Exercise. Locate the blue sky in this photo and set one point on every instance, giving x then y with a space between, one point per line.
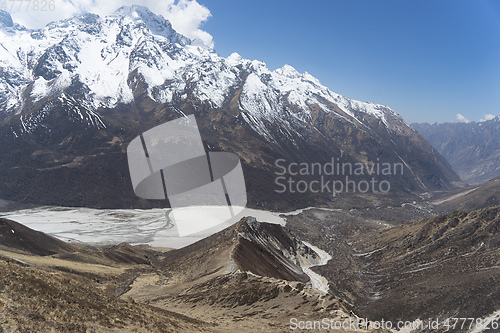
429 60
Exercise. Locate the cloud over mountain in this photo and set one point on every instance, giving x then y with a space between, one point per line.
186 16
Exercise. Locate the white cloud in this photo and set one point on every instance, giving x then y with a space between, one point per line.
487 117
186 16
196 13
462 119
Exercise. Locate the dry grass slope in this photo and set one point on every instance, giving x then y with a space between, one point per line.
35 300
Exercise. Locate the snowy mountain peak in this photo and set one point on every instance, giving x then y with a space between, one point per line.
289 71
104 60
234 59
5 19
156 24
7 26
86 22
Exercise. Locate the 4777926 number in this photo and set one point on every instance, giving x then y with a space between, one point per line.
34 5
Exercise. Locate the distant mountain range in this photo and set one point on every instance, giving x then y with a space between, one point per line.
472 149
75 93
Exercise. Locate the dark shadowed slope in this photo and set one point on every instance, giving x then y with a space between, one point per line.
15 236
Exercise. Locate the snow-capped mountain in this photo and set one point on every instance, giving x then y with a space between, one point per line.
106 56
106 79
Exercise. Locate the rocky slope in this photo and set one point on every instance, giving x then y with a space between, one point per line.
444 266
250 276
206 287
472 149
470 198
260 248
76 92
437 267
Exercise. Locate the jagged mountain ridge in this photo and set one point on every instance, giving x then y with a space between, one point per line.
103 53
472 149
264 249
76 92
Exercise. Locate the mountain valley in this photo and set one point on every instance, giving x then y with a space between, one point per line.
81 252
